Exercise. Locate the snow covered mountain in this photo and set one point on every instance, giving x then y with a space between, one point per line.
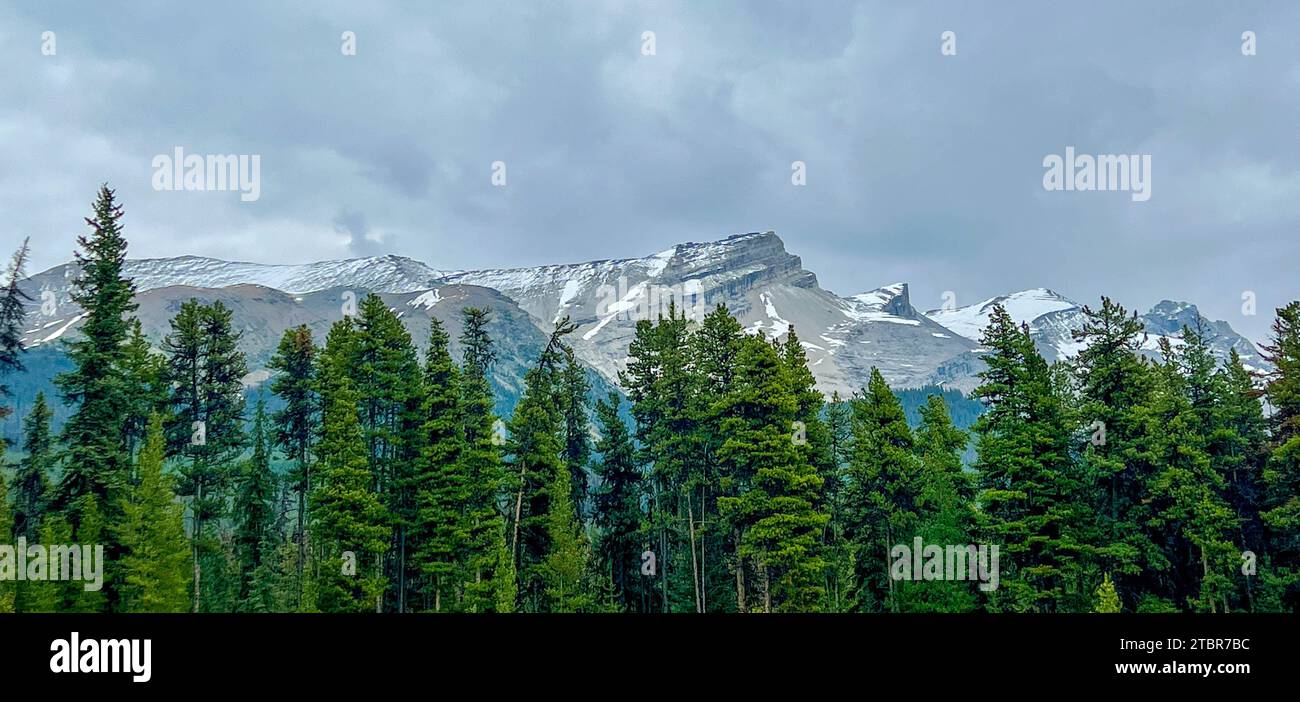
763 285
1053 319
262 315
378 273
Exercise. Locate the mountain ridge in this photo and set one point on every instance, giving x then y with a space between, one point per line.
764 285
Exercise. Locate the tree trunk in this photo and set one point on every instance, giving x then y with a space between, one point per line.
302 542
663 567
704 545
401 570
695 567
740 576
198 535
766 577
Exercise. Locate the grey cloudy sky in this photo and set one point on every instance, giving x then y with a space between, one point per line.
920 167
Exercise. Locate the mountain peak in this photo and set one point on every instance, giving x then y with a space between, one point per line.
388 273
1025 307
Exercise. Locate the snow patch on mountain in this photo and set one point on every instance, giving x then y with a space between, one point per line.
880 305
385 274
1024 307
425 300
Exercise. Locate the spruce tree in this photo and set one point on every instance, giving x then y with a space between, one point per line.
1114 384
663 390
1027 480
147 389
575 406
616 508
13 303
8 587
1281 476
296 426
494 585
255 511
535 455
1237 448
1183 507
565 571
385 373
95 459
31 490
774 510
945 508
205 428
49 596
155 552
838 553
881 493
1107 598
443 527
349 523
714 349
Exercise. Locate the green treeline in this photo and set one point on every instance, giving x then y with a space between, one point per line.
1107 483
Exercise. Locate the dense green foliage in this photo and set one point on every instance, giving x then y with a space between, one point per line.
723 482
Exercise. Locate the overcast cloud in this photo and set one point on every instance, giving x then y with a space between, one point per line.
920 167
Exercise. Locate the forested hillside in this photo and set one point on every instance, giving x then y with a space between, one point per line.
723 481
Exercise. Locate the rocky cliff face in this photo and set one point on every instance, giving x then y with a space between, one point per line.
761 283
262 315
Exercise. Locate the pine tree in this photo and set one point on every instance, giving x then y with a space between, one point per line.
1281 477
32 479
95 459
1107 598
535 449
155 552
254 511
205 369
882 492
1115 382
1027 481
1183 506
93 529
13 311
839 557
774 511
8 588
664 397
616 508
147 389
575 406
296 425
1237 447
490 562
385 373
813 438
944 502
350 525
564 571
443 486
48 596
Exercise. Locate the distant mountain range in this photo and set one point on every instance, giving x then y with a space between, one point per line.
762 284
1052 320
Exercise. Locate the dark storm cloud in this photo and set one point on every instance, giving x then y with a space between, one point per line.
921 167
